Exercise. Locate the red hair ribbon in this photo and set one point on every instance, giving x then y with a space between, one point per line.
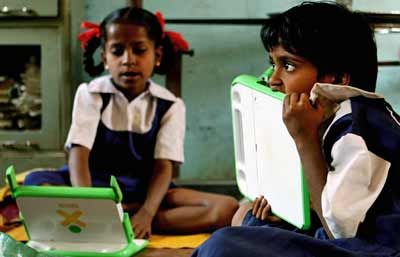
93 30
179 43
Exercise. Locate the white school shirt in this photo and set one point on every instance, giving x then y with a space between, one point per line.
358 176
121 115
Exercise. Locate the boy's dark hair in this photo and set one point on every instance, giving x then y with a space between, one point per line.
135 16
334 39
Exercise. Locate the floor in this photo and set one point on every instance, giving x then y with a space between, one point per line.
152 252
186 252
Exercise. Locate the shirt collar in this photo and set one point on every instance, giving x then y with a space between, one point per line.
103 84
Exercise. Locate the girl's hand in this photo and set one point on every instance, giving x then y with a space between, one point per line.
302 119
262 210
141 223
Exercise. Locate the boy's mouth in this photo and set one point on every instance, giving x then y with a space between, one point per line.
276 88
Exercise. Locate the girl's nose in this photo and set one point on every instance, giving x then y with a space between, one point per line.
128 58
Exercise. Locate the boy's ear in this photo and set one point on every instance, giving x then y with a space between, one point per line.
339 79
344 79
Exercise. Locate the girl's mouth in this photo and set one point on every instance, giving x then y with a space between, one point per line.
129 74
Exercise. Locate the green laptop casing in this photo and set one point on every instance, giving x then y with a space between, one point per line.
75 221
266 159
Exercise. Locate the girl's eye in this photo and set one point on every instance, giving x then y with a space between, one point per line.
117 51
289 67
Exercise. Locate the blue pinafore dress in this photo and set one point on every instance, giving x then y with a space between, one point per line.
127 155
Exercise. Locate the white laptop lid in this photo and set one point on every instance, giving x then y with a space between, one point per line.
59 222
267 162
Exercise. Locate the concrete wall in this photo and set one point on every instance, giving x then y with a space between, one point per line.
221 53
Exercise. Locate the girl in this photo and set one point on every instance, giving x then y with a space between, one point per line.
126 125
348 141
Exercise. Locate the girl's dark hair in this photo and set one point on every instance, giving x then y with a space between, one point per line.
135 16
334 39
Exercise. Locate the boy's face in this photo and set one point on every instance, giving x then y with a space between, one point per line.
293 73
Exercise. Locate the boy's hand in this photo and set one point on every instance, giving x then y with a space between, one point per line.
301 118
141 224
262 210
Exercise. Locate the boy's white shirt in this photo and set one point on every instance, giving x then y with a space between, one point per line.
358 176
135 116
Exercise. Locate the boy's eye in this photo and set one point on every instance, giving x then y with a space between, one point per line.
139 51
289 67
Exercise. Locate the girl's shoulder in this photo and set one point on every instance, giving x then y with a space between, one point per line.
89 94
161 92
101 84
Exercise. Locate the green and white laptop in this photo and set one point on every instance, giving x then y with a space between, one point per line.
267 162
75 221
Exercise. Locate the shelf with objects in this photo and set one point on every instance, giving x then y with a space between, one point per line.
34 84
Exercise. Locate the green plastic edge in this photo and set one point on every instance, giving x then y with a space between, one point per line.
113 193
254 83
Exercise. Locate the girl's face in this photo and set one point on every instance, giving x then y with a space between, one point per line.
130 56
293 73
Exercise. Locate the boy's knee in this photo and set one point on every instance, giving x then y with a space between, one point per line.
218 245
240 214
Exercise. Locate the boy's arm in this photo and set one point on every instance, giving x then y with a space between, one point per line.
303 122
79 166
311 157
158 186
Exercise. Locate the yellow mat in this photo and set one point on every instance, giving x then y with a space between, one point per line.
156 241
177 241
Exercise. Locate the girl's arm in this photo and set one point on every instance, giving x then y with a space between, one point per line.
303 122
79 166
158 186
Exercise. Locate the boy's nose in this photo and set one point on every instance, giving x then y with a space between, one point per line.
274 81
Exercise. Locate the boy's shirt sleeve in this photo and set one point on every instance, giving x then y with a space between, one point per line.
85 118
170 137
354 183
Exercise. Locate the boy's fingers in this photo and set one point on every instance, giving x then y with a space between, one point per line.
294 98
304 98
256 205
285 102
273 218
265 211
260 209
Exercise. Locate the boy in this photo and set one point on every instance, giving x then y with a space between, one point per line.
347 137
